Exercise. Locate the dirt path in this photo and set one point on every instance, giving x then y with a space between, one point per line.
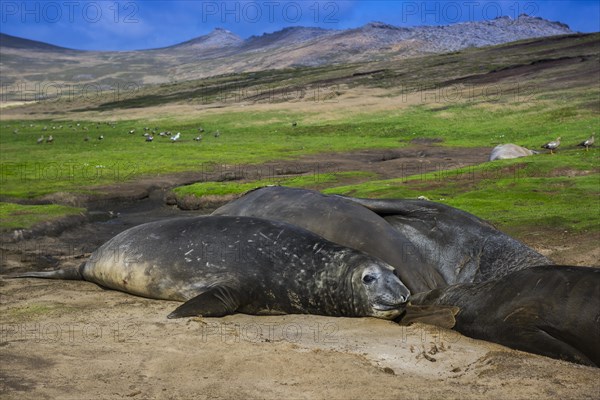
74 340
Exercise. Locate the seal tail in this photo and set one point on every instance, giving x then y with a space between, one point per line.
71 273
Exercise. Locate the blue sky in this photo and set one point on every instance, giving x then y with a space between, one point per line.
142 24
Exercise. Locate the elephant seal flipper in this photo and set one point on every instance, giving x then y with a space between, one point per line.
218 301
439 315
552 310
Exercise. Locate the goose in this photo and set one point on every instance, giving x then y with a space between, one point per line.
552 145
198 138
217 133
176 137
587 143
40 140
50 139
149 138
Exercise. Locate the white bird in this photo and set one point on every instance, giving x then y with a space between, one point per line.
101 137
552 145
198 138
217 133
50 139
587 143
176 137
149 138
40 140
131 132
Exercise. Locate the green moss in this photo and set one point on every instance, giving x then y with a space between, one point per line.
561 191
304 181
15 216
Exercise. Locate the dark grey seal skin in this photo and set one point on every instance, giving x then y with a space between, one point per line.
219 265
343 222
461 246
549 310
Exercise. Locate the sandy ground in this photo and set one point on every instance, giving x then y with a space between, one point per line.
74 340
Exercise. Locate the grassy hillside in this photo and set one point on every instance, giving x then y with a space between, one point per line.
526 93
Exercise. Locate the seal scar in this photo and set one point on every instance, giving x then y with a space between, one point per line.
265 236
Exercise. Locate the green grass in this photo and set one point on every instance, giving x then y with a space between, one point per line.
561 191
304 181
17 216
69 164
534 107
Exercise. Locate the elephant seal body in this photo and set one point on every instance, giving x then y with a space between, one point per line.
549 310
508 151
340 221
463 248
222 265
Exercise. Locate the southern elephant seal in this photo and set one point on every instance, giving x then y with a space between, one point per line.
463 247
549 310
510 150
219 265
341 221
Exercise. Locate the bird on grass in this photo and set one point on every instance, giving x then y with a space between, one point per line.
200 130
86 138
588 142
217 134
198 138
294 124
101 137
552 145
149 138
40 140
50 139
176 137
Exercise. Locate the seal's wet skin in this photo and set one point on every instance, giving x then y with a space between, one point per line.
548 310
219 265
341 221
429 244
462 247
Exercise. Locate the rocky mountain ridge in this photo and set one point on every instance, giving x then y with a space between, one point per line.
221 51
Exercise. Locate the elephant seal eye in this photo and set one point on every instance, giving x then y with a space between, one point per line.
368 279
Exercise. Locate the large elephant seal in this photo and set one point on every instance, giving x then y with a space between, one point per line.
463 247
221 265
509 150
548 310
340 221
